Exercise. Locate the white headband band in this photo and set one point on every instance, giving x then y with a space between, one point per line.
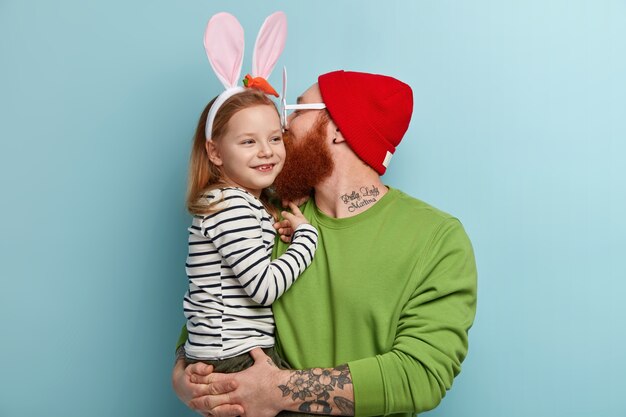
219 101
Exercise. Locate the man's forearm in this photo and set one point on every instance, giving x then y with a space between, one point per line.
180 353
326 391
263 390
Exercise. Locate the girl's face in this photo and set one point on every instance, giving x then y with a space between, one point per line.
251 153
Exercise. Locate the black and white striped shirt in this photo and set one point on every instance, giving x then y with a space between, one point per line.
232 280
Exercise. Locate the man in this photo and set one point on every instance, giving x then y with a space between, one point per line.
378 324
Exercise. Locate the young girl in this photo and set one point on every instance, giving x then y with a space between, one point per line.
232 281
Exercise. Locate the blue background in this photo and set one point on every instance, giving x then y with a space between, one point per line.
518 129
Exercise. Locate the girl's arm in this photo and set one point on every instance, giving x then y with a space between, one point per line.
238 235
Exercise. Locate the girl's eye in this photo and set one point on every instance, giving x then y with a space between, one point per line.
276 139
247 141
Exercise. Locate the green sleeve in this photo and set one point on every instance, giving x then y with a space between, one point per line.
183 337
431 338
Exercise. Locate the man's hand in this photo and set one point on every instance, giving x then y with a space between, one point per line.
256 390
263 390
208 398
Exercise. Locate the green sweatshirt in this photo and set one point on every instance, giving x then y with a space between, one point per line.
392 293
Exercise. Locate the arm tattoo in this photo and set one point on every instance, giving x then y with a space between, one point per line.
180 353
345 405
315 388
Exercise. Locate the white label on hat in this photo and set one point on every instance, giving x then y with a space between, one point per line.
387 159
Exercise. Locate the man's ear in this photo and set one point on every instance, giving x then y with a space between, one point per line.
213 153
334 133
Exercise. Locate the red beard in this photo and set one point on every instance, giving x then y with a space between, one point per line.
307 164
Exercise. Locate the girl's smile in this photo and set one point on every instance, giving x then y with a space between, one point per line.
251 153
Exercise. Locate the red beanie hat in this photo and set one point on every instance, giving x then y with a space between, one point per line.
372 112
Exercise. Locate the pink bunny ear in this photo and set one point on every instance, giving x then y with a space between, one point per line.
224 45
269 44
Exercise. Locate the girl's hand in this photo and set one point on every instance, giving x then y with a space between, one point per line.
297 202
284 229
295 218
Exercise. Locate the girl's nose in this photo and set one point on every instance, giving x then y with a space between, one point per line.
265 150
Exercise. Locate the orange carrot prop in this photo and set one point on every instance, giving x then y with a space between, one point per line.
259 83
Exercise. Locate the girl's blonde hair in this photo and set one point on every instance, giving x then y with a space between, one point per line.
203 174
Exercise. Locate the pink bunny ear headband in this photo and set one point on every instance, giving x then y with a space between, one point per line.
224 45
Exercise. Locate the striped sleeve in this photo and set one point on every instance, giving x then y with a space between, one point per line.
238 233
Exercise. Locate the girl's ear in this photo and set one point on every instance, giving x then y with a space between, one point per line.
213 153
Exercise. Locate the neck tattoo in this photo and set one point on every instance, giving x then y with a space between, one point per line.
362 197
